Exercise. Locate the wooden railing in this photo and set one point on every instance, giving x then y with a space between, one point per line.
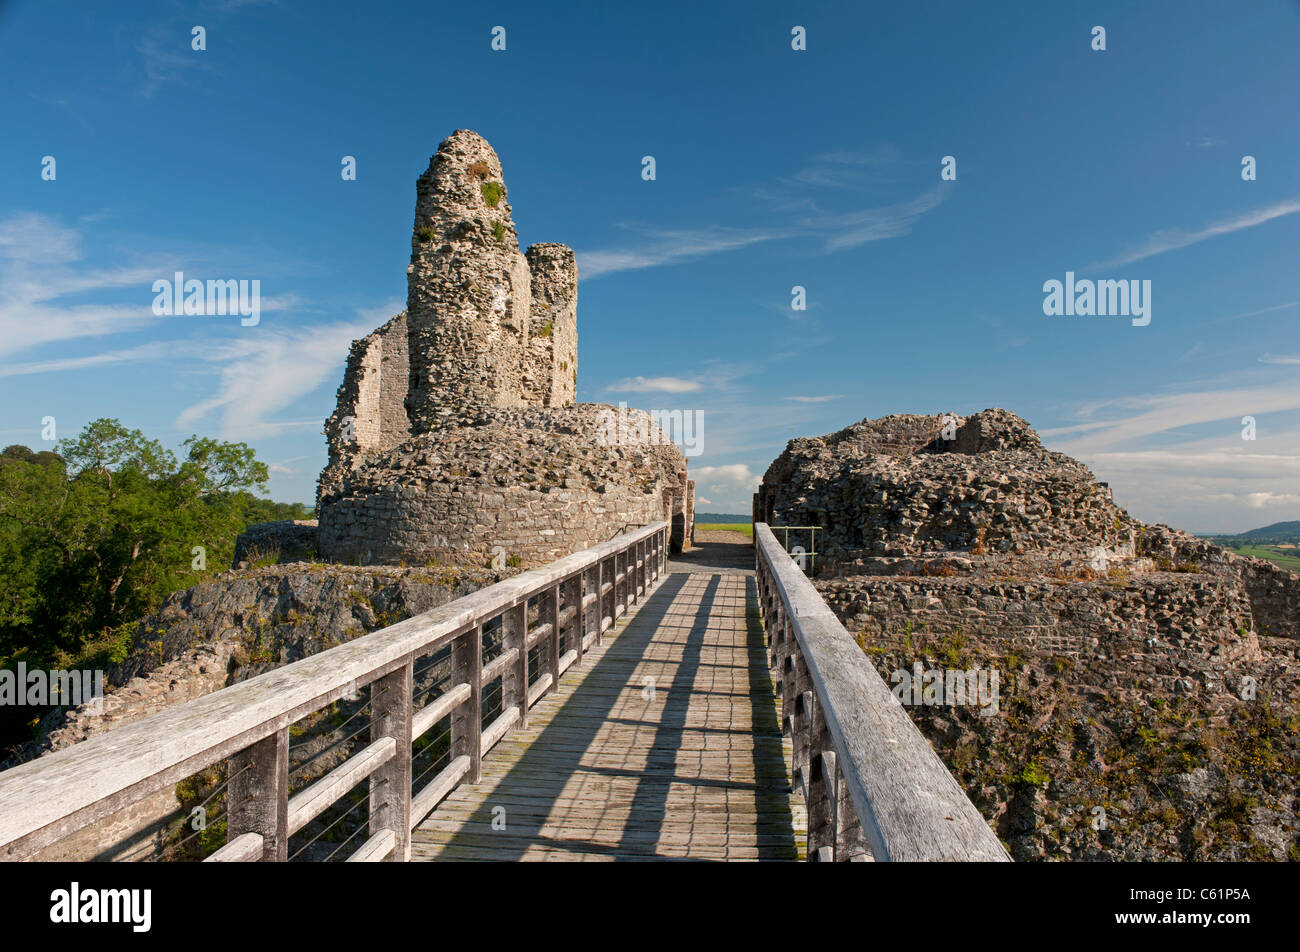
873 786
574 601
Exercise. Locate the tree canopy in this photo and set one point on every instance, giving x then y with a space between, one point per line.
96 534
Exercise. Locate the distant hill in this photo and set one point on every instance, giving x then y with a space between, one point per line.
726 518
1275 531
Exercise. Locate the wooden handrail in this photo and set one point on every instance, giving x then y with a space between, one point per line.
46 799
873 785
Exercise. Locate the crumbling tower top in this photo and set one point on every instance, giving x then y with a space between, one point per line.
468 288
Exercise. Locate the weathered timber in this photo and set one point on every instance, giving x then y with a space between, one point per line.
908 805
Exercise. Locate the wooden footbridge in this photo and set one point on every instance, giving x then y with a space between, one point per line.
611 705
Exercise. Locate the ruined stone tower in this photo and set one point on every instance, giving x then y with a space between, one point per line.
468 287
457 432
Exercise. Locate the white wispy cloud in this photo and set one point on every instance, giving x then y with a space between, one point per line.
1171 239
264 371
852 229
41 268
1280 359
823 398
795 193
1215 481
655 385
156 350
42 273
166 56
1263 310
670 247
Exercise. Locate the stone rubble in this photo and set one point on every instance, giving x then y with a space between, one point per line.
1126 650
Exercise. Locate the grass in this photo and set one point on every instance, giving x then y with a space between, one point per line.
1283 558
744 527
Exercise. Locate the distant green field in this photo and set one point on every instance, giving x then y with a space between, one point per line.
744 527
1288 559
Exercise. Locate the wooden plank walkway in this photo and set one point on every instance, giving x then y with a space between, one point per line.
663 744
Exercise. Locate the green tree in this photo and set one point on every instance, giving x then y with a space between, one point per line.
99 533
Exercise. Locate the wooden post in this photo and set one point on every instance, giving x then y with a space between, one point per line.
390 785
551 648
600 600
584 613
514 681
467 719
821 800
257 796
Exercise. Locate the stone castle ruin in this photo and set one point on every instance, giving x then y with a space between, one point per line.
1146 676
457 434
969 524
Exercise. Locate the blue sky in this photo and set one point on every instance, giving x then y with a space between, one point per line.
775 168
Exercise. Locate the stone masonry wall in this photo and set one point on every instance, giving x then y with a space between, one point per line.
370 413
537 483
1164 626
551 365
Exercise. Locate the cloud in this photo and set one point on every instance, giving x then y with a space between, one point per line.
874 224
1272 500
837 230
1216 481
819 399
1139 418
1172 239
1263 310
265 370
157 350
167 55
670 247
733 484
655 385
1278 359
40 268
839 169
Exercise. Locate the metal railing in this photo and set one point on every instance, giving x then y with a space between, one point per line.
811 554
574 600
873 786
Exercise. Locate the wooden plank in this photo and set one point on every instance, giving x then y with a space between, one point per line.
245 848
381 846
501 665
497 729
438 708
310 803
437 788
695 769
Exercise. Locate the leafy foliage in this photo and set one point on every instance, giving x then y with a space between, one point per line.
94 536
